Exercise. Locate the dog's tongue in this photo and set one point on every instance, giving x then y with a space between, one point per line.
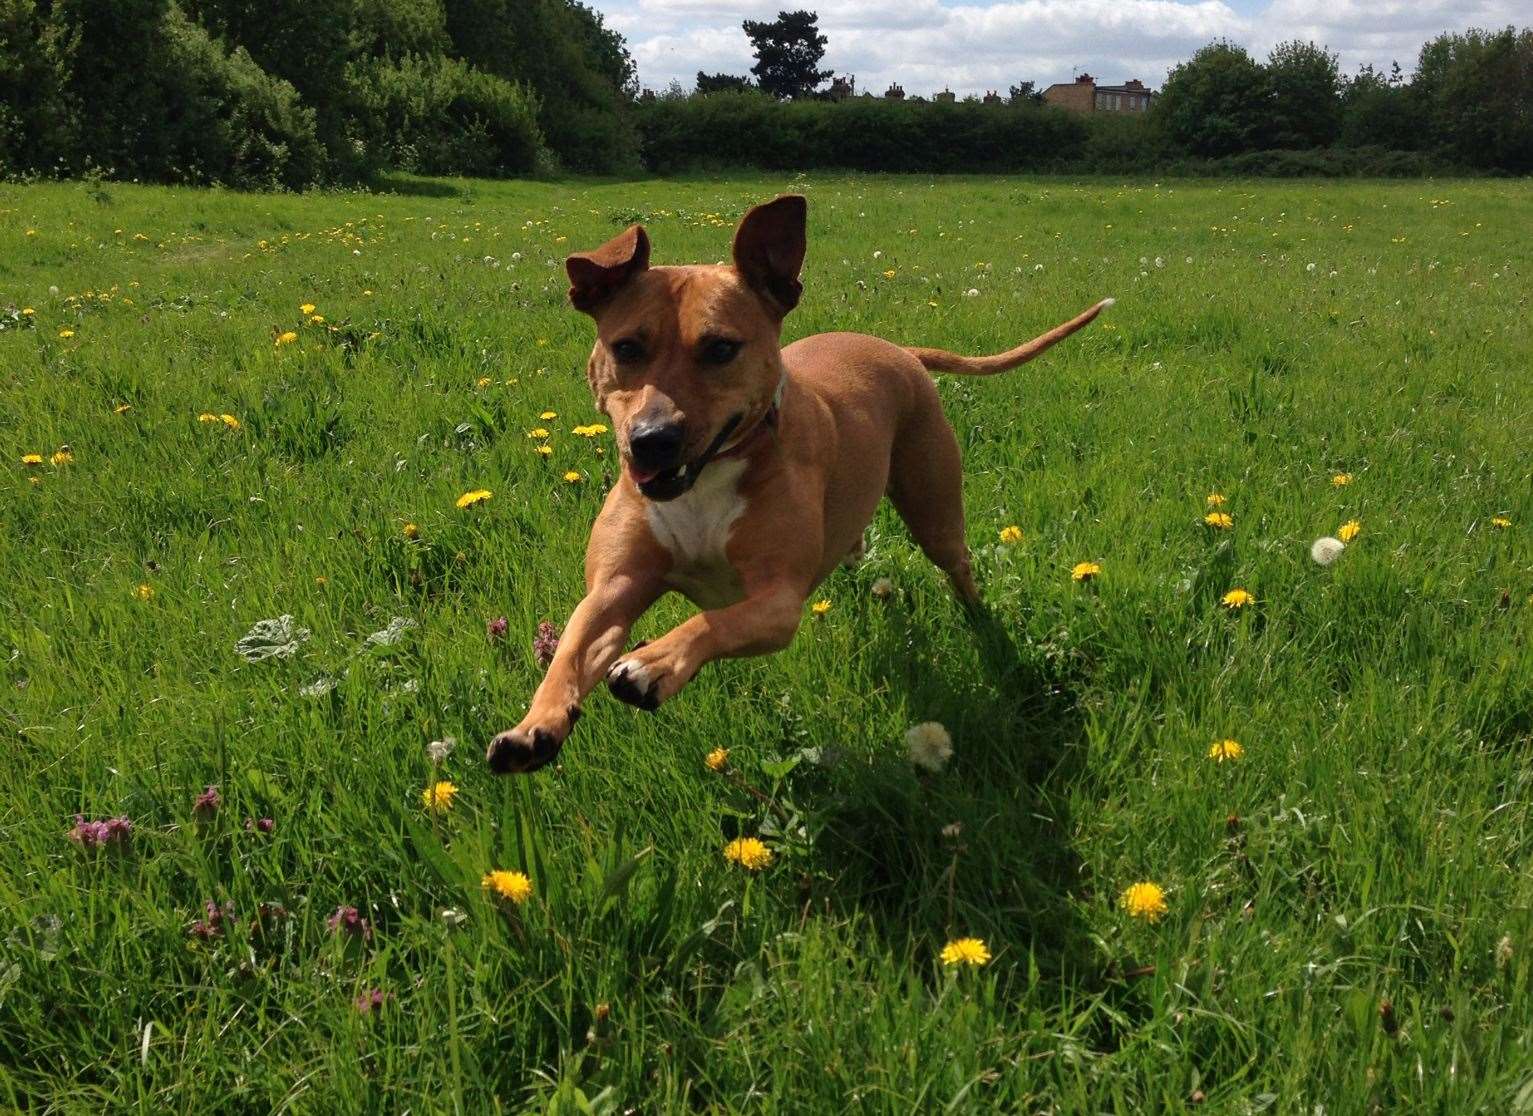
640 476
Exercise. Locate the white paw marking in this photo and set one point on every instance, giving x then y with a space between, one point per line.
634 672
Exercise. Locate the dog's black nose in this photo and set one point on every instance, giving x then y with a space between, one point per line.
655 446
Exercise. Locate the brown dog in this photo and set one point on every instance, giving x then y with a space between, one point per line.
750 470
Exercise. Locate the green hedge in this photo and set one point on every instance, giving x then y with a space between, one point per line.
751 130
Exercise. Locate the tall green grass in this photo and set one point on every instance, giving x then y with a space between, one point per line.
1369 848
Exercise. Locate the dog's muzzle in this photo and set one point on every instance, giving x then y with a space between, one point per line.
667 484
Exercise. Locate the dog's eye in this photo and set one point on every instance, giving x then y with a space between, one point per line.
627 350
721 351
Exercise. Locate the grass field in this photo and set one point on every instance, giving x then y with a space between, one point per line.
1348 920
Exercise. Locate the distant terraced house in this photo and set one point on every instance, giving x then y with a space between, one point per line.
1085 95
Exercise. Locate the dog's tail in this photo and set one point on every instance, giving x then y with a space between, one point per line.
939 360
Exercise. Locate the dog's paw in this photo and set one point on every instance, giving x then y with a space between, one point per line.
632 681
529 746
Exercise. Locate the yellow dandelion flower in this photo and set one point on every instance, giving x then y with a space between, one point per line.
1349 530
1012 534
1144 900
482 382
1221 750
1085 571
230 421
1221 520
965 951
820 608
1341 480
31 459
717 759
306 308
437 798
477 496
287 337
27 312
1215 500
1500 521
1237 598
316 319
411 531
591 430
749 853
514 886
321 580
537 432
63 457
889 274
573 477
66 334
544 450
547 415
143 591
122 408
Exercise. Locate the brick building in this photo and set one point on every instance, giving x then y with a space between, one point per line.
1085 95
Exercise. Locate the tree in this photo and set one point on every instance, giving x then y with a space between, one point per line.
721 83
788 53
1025 93
1376 111
1472 93
1306 95
1217 103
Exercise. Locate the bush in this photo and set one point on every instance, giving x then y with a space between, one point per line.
229 121
439 116
753 130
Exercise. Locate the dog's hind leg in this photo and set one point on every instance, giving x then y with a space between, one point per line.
926 488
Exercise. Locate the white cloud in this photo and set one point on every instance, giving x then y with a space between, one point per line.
974 45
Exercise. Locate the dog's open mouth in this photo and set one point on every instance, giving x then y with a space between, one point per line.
667 484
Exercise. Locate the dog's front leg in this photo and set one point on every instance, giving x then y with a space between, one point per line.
763 622
594 636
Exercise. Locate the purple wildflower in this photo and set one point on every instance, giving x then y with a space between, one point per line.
95 834
496 628
213 925
207 803
372 1000
545 643
349 921
265 825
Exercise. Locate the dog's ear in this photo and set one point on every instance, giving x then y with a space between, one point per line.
596 276
769 250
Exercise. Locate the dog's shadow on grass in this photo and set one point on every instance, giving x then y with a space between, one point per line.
1006 872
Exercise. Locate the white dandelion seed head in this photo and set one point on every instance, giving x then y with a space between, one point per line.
972 292
439 750
1310 268
1326 550
878 255
882 588
930 746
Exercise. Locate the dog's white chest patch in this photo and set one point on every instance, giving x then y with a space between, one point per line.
695 528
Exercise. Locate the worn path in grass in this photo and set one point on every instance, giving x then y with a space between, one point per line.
1347 900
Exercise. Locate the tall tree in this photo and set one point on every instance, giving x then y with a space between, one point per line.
788 53
1306 95
1218 102
1025 93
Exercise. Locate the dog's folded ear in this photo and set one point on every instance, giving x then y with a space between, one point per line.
769 250
596 276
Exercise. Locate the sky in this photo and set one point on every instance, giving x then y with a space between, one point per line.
971 46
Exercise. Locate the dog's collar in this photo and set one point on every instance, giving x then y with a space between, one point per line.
768 421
